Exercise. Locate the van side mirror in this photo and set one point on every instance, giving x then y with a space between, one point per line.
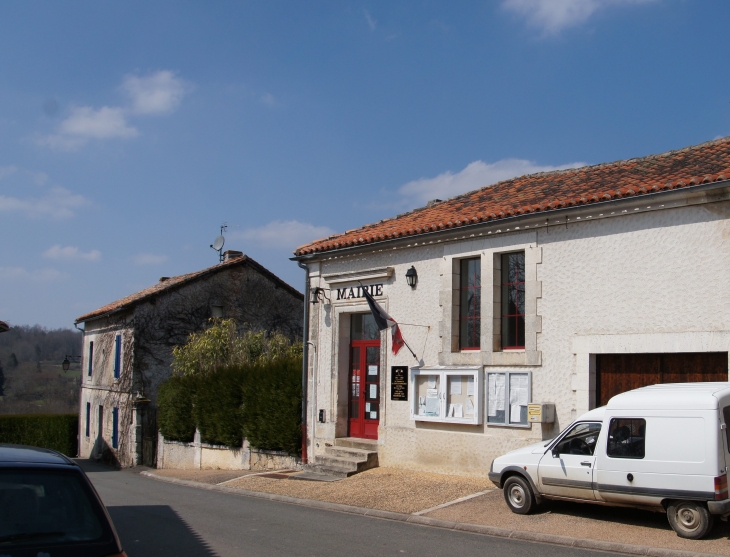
555 452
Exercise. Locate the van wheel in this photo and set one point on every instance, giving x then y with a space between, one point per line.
518 495
689 519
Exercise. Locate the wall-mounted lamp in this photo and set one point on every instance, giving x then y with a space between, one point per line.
66 363
412 277
319 295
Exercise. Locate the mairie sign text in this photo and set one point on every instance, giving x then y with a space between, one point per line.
357 291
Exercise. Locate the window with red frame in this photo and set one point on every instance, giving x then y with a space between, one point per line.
470 315
513 300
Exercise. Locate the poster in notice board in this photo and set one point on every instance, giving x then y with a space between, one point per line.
399 383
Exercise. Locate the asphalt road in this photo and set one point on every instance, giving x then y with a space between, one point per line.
154 518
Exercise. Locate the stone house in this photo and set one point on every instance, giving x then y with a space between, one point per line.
560 289
127 347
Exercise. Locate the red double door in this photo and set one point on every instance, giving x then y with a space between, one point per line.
364 389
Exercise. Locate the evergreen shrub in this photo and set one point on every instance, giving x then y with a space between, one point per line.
261 401
51 431
217 409
175 409
272 405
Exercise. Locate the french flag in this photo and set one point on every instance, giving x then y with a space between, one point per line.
384 321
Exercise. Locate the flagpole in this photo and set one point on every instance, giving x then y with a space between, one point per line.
380 315
409 349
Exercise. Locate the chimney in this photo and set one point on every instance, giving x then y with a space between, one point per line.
231 254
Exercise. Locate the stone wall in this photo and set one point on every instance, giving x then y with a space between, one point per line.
202 456
151 330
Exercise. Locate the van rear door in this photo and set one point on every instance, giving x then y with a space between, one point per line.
725 419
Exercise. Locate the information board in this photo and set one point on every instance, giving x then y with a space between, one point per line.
399 383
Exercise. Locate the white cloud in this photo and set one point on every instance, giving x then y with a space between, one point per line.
38 275
158 93
372 23
71 253
476 175
553 16
282 234
155 94
149 259
86 123
57 203
105 123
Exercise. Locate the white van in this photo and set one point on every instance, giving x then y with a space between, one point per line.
663 448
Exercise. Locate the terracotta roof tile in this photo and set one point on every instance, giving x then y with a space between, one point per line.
699 164
180 280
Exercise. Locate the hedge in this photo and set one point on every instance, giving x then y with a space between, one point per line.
174 409
272 409
51 431
259 401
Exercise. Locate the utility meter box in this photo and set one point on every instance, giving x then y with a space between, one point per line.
543 413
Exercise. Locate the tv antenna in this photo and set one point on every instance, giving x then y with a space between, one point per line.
217 244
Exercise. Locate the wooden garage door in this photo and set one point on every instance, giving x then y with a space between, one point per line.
618 373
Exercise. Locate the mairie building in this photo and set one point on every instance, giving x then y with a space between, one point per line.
524 304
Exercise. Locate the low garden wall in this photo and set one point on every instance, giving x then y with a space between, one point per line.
203 456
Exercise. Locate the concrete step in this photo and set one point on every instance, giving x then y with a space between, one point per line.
347 452
357 443
338 461
336 471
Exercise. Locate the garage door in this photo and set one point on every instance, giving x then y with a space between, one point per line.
618 373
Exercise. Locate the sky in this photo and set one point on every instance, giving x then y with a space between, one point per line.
131 131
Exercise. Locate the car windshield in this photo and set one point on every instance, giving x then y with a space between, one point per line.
41 507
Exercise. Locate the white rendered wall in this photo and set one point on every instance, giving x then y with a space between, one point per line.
648 282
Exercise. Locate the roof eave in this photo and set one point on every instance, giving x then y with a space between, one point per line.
684 192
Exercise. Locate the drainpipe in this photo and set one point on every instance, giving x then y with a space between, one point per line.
305 360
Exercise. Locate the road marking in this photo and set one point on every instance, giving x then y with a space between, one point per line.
460 500
256 474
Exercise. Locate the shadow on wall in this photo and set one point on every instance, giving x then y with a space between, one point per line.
157 530
102 452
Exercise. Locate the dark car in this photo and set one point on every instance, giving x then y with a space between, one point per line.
48 508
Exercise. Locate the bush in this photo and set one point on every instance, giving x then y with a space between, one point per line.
175 409
261 401
51 431
272 405
217 409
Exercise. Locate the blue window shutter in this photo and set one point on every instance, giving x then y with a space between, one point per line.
117 355
91 357
88 418
115 428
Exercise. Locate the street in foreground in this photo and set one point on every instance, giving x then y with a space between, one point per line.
155 518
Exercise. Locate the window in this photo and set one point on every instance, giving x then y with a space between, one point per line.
470 301
513 300
626 438
117 356
363 327
91 357
115 428
726 416
88 418
508 394
580 440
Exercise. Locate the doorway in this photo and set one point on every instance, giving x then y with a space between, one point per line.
364 388
618 373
